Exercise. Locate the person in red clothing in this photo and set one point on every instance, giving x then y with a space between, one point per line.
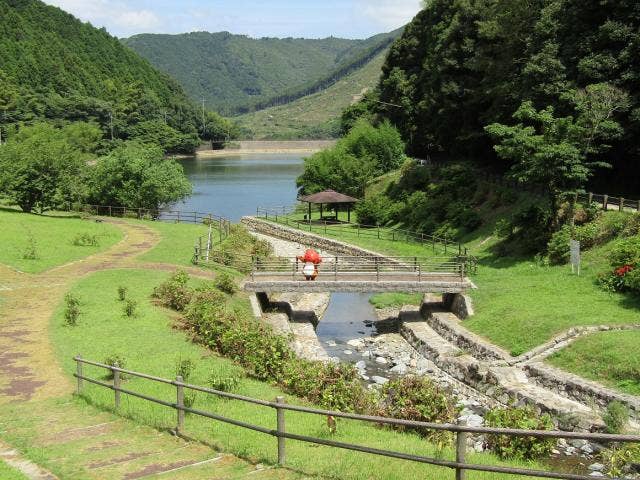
311 260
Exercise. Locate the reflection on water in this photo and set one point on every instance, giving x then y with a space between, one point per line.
235 185
348 316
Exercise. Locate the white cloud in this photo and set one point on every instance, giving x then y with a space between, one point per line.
390 14
115 15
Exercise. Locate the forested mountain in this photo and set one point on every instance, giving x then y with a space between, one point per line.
461 66
236 73
316 115
53 66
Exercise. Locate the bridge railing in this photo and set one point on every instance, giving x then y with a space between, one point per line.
339 268
459 464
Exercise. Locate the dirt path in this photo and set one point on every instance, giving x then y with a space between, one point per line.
38 411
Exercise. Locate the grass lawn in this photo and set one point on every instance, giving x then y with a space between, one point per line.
150 344
53 238
395 299
9 473
611 358
520 304
385 240
176 245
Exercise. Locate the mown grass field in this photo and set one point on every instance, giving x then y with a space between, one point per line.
611 358
150 343
9 473
51 238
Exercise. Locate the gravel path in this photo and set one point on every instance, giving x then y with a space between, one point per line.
285 248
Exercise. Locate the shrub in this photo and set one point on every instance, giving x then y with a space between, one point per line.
174 293
122 293
184 367
31 248
375 210
85 240
130 307
520 448
632 226
225 283
503 228
223 383
71 309
616 417
625 252
115 361
620 459
419 399
558 247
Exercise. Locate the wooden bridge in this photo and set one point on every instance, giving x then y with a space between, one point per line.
362 274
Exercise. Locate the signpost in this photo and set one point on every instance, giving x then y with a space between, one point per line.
574 247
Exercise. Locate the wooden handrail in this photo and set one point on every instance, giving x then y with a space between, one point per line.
459 465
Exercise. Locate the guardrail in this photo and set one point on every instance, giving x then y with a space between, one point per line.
461 431
373 268
608 202
283 214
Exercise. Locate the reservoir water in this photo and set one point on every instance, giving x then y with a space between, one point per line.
234 185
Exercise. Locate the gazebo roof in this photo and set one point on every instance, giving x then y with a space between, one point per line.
328 196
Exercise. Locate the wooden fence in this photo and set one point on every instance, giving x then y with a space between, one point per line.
439 244
459 465
608 202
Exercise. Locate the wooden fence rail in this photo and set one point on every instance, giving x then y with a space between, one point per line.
608 202
282 215
459 465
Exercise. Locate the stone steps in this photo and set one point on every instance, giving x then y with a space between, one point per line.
495 380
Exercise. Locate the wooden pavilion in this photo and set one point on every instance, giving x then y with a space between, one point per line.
330 197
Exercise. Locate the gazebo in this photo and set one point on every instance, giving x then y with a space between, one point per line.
330 197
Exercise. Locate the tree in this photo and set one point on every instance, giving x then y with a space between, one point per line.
43 167
138 176
156 132
559 154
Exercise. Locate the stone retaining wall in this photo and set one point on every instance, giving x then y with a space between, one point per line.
306 238
460 305
580 389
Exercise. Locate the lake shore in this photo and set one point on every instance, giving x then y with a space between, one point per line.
247 147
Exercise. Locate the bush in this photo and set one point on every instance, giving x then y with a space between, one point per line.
616 418
625 252
225 283
174 293
71 309
558 247
85 240
519 448
130 307
115 361
31 248
122 293
184 367
419 399
632 226
620 459
503 228
223 383
375 210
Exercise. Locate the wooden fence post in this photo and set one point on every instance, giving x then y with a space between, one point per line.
377 269
590 197
335 269
378 232
461 449
116 385
79 374
622 204
180 404
605 202
281 430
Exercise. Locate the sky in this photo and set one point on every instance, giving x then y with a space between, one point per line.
266 18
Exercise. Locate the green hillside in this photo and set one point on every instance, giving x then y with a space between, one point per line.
54 66
235 72
317 115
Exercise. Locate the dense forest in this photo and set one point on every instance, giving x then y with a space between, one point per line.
55 67
238 74
461 66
